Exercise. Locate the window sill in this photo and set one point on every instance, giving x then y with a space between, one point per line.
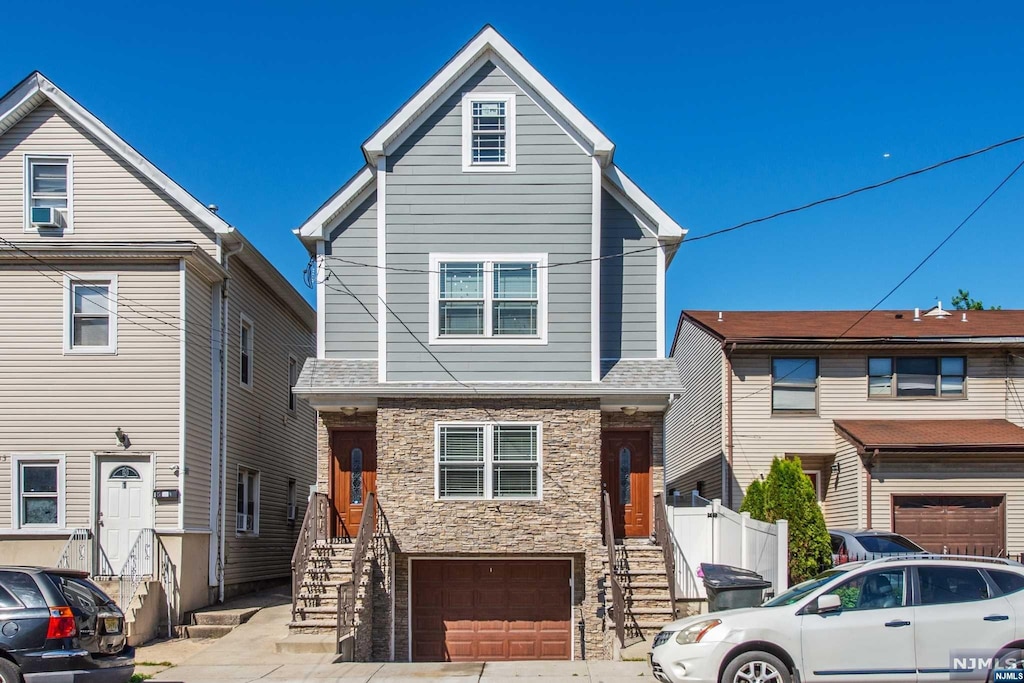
917 398
489 341
495 168
37 531
795 413
247 387
90 351
246 534
447 499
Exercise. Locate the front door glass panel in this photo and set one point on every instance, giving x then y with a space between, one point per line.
625 468
356 493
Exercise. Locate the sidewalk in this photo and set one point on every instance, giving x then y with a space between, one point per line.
247 654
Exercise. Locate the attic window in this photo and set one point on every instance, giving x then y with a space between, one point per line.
48 194
488 132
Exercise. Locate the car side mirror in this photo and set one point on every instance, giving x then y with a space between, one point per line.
829 604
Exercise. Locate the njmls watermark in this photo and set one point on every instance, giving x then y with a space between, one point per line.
975 665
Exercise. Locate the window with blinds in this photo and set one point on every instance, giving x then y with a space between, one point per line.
487 461
794 385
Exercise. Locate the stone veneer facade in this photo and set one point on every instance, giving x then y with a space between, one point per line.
565 524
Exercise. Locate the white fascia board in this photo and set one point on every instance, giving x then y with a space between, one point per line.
39 84
666 227
344 199
488 39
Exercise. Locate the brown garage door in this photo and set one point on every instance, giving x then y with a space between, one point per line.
972 525
477 610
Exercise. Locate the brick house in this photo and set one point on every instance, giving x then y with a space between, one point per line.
483 369
909 421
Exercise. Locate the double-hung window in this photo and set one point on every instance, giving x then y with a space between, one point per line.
247 502
245 349
40 491
488 132
916 376
48 182
476 298
489 461
90 324
794 385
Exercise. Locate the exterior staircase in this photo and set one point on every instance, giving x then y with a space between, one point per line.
640 569
329 565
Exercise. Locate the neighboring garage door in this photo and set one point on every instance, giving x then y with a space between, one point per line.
477 610
972 525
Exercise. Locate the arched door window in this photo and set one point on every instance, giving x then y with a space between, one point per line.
125 472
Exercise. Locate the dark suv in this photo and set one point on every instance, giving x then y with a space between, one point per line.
57 625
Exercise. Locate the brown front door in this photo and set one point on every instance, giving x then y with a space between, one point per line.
626 476
488 610
353 477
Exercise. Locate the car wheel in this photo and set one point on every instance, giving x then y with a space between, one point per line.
756 667
9 673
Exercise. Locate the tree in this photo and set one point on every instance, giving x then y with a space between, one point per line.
787 493
753 502
963 302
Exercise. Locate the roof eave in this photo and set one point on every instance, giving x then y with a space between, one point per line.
314 228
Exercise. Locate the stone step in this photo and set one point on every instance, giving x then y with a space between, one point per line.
320 609
344 570
648 599
224 617
636 611
641 572
207 631
314 623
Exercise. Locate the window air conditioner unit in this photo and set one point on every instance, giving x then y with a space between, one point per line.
243 522
47 217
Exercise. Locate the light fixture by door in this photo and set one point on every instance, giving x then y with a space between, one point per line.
630 410
349 411
122 439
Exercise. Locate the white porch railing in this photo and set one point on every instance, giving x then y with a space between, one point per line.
715 534
77 552
137 565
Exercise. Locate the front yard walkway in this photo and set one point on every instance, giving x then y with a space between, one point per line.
247 654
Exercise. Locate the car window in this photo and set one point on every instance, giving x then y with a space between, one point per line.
838 546
888 544
945 585
1008 582
801 589
7 600
80 592
872 590
23 587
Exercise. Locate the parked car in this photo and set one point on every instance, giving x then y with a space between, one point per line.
866 544
897 618
57 625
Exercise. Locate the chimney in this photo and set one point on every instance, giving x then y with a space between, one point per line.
917 315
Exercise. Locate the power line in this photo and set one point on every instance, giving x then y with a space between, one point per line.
733 228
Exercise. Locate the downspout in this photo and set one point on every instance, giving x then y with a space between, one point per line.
868 466
223 455
727 352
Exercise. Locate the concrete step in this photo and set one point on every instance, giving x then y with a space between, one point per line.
307 644
207 631
647 611
314 623
224 617
642 572
331 610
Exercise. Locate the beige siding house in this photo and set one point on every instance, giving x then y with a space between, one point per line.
124 404
904 420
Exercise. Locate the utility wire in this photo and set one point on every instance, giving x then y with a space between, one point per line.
738 226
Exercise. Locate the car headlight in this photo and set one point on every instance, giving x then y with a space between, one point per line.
694 632
662 638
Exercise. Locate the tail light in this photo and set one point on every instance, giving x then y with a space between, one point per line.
62 623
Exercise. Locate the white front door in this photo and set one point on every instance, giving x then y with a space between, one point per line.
126 508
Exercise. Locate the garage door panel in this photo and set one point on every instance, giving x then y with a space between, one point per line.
491 610
952 523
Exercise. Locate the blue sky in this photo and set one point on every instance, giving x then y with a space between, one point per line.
722 112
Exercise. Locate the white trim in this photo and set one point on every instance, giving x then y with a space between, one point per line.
255 499
246 321
660 296
70 279
382 273
666 227
571 559
345 198
69 213
58 459
488 437
817 483
595 272
42 531
487 40
217 390
509 165
489 338
36 83
321 299
182 374
179 531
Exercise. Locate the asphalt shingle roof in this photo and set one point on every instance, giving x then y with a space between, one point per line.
917 435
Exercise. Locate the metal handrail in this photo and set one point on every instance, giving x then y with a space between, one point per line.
618 598
313 529
138 564
362 543
663 536
75 554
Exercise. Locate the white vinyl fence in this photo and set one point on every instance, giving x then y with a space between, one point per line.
711 532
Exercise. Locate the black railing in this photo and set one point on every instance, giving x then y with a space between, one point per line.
618 610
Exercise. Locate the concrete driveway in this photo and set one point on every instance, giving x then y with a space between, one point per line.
247 654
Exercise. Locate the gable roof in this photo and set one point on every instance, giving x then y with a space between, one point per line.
36 89
488 46
754 327
932 435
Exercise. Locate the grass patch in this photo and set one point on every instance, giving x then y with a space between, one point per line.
153 664
138 678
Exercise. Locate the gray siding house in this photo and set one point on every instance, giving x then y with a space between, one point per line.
491 315
147 351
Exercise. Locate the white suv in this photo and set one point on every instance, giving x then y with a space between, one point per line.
891 619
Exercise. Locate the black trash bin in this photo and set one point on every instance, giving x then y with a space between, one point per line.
731 587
